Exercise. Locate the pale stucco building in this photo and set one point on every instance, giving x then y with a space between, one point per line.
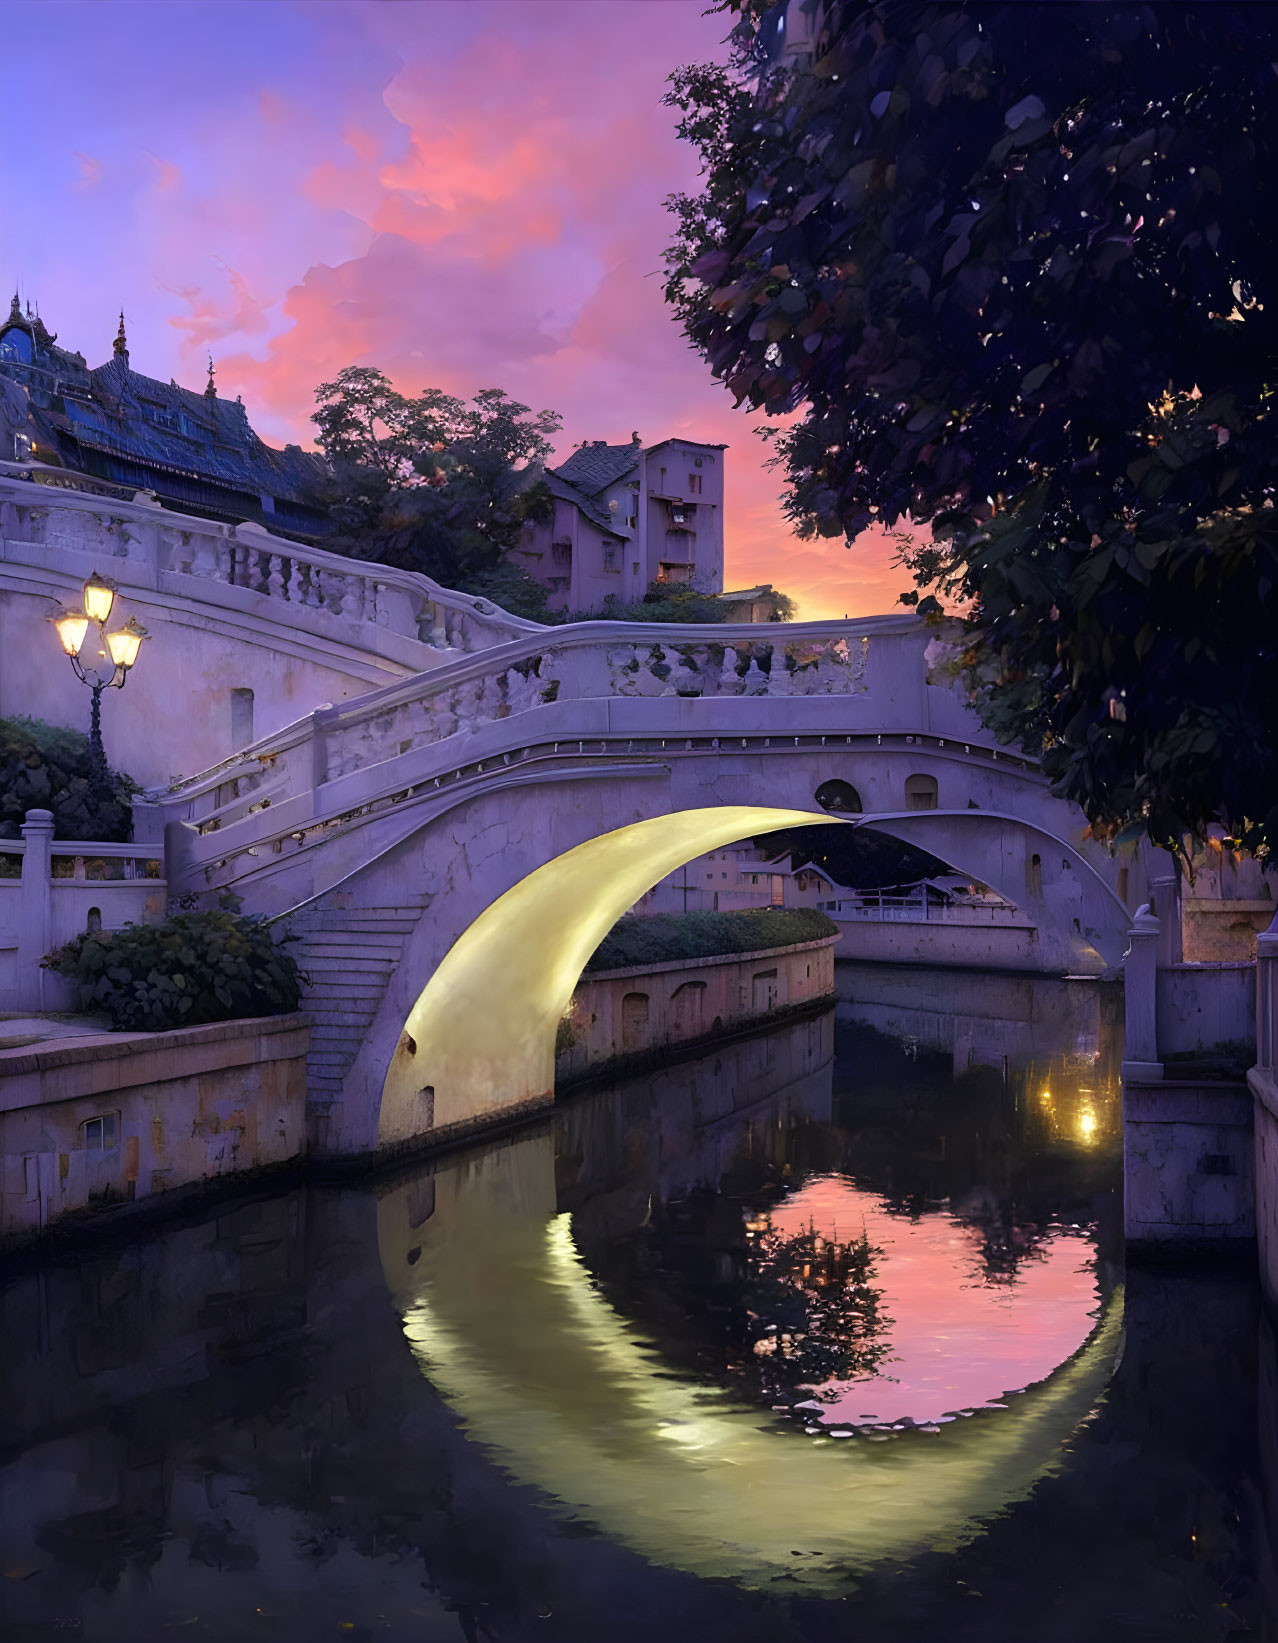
625 516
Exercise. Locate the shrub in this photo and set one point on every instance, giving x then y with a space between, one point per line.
193 968
46 767
666 937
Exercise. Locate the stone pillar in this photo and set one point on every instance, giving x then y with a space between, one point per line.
1140 995
35 915
1267 997
1164 902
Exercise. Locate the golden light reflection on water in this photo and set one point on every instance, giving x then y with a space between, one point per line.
568 1397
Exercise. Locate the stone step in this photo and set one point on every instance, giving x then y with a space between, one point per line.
334 993
359 921
337 938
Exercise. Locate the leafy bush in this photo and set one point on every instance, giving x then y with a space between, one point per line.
664 937
46 767
193 968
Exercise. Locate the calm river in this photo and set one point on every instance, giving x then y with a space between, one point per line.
825 1335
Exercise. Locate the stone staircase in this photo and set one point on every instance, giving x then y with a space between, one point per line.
348 954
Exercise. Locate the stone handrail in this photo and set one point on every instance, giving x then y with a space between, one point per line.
585 661
145 540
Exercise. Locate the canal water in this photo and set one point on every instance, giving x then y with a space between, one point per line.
824 1334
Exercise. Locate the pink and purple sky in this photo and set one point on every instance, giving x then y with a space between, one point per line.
465 193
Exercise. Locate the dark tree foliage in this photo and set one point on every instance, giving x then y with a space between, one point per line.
434 484
47 767
1014 264
672 602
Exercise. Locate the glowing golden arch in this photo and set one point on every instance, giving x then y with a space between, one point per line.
481 1035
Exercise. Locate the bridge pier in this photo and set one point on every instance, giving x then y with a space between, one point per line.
1189 1172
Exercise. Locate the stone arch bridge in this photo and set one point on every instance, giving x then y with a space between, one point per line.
451 847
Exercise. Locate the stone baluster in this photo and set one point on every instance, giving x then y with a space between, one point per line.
756 680
1140 1000
311 596
354 597
275 576
780 679
295 582
224 562
729 678
438 627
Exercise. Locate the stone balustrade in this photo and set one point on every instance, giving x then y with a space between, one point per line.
652 664
142 544
52 889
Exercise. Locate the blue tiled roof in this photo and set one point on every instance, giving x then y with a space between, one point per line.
593 467
122 414
567 492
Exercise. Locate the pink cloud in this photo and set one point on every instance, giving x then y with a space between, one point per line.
90 170
168 176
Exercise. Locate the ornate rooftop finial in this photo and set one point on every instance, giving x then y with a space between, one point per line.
15 307
121 345
635 439
211 389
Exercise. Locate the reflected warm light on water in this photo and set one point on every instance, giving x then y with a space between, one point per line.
639 1358
958 1339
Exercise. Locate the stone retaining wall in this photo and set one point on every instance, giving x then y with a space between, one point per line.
97 1120
620 1015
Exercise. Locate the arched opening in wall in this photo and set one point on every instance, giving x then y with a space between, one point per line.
93 920
687 1010
839 798
634 1021
920 792
1034 875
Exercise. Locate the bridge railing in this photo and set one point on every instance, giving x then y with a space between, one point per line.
879 659
147 544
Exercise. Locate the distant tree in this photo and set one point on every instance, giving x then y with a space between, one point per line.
673 602
435 484
857 858
1016 265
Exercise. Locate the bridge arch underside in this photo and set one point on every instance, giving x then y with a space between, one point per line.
478 1039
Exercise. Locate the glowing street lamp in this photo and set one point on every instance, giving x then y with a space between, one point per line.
101 660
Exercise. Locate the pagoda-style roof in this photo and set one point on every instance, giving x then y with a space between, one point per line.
126 415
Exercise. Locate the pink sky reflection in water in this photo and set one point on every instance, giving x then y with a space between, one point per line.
957 1340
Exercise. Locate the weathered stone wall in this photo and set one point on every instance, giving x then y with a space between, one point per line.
1188 1167
1264 1091
1201 1006
186 1106
643 1009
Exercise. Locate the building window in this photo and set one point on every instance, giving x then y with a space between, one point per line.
694 484
100 1134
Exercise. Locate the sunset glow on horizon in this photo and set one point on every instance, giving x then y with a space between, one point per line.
465 195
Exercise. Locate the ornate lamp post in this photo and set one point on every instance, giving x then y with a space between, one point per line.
101 660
